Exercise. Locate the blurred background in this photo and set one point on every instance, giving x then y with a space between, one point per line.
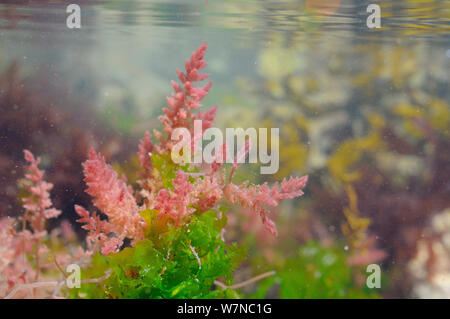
364 112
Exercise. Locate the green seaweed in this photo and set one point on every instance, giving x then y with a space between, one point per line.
165 266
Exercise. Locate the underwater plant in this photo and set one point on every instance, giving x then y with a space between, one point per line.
164 240
315 271
29 253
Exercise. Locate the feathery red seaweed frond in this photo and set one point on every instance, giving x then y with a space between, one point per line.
177 203
256 197
38 207
114 198
185 100
145 149
184 197
23 251
38 203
